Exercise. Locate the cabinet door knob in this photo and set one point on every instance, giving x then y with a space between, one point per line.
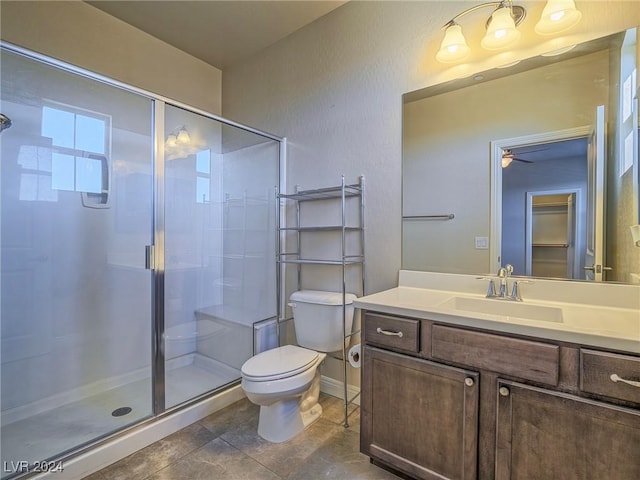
469 382
504 391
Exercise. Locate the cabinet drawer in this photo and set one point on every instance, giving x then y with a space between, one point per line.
396 333
524 359
597 368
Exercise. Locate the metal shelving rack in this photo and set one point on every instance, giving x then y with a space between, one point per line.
340 193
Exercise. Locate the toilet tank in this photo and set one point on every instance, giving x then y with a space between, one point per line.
317 316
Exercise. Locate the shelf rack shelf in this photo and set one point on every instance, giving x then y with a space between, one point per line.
329 228
340 193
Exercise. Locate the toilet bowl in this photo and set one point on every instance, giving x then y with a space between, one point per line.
285 381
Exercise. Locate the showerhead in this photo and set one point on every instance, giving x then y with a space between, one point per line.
5 122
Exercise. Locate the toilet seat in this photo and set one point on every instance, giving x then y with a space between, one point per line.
279 363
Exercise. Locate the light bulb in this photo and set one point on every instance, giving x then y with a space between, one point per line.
501 31
454 46
183 137
557 16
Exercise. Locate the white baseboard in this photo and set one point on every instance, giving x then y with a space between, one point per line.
335 388
110 452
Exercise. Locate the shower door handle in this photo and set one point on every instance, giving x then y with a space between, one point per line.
149 257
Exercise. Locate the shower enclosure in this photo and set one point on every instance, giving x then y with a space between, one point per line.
137 242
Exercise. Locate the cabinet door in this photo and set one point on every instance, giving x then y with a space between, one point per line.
418 416
545 435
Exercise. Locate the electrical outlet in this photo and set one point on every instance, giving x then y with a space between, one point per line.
482 243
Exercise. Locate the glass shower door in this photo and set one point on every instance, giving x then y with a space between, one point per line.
76 176
220 277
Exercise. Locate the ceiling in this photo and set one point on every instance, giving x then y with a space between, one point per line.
220 33
553 151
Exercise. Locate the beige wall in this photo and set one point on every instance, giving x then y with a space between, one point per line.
77 33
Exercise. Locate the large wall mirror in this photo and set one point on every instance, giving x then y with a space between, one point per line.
534 165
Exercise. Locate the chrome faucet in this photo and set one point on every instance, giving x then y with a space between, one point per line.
503 277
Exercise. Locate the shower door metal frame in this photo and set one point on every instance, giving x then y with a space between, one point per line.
155 252
158 266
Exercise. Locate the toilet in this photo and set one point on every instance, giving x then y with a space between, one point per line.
285 381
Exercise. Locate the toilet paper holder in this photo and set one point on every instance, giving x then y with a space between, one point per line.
355 356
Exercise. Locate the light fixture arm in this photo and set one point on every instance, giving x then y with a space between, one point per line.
501 27
518 17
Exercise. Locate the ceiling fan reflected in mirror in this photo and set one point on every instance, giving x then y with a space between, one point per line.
509 156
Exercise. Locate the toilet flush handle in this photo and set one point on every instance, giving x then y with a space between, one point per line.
292 305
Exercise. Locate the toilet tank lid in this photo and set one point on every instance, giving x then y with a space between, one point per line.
322 298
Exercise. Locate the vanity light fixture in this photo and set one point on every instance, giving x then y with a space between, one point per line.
171 140
454 47
502 31
178 137
183 136
558 16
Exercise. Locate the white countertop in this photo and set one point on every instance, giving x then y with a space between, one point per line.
583 323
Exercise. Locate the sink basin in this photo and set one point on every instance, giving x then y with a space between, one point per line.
504 308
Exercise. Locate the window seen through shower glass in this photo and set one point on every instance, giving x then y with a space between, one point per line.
203 176
74 137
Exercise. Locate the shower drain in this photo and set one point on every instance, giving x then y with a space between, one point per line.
119 412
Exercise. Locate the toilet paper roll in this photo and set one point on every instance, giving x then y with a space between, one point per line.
635 233
355 356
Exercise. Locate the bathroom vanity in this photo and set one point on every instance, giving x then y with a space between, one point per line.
458 386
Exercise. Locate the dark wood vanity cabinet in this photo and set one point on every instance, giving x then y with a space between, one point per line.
447 402
419 416
543 434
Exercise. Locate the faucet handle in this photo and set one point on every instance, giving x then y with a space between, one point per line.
491 291
509 269
515 291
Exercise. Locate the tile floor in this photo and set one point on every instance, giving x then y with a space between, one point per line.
226 445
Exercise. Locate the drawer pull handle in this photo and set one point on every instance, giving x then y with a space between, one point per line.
504 391
387 332
615 378
469 382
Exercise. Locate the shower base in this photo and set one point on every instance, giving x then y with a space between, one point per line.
49 433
